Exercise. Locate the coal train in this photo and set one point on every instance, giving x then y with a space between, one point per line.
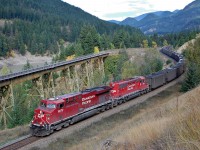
64 110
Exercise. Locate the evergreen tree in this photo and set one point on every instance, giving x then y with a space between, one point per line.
192 55
27 65
165 43
192 77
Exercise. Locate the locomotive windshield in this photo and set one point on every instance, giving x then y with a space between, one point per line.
48 105
51 106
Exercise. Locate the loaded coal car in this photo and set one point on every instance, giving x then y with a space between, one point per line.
180 69
175 56
58 112
156 80
184 64
171 74
170 53
167 51
126 89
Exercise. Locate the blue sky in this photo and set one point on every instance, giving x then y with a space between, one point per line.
121 9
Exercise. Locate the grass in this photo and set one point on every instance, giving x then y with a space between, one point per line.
169 121
175 129
11 134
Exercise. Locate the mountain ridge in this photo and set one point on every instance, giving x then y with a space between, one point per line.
163 22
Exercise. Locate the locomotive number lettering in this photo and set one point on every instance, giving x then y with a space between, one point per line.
86 102
130 87
61 110
113 91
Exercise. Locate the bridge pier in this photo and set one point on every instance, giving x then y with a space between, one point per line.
38 84
48 83
6 104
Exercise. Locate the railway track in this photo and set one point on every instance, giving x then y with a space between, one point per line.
29 141
43 142
19 143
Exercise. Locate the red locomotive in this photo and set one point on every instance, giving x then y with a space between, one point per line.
61 111
58 112
129 88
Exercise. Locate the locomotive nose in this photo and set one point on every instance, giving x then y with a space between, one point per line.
39 118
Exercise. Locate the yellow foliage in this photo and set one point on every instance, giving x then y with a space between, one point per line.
5 70
96 50
145 43
70 57
154 44
11 53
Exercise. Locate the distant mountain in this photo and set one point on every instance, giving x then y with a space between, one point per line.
149 17
175 11
129 21
167 22
158 13
140 17
114 21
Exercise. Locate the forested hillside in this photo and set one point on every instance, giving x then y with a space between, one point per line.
41 25
192 55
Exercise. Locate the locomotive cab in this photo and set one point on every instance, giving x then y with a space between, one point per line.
45 115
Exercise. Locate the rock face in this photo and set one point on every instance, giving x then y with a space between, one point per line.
166 22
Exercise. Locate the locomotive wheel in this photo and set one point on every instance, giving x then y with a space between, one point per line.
120 102
108 107
66 125
115 104
72 121
51 131
103 109
111 106
58 128
48 133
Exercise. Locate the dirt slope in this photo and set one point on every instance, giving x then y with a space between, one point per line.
17 62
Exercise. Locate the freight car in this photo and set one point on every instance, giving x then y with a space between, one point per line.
156 80
61 111
171 74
